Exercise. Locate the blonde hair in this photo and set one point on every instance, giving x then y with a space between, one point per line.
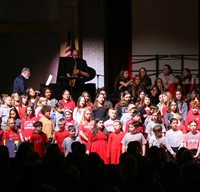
169 97
83 120
8 122
41 99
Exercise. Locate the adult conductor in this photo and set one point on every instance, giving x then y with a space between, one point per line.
77 72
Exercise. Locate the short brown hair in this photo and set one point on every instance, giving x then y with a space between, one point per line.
157 128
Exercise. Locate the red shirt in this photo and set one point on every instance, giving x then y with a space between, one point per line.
59 137
39 141
71 122
86 129
140 129
21 111
191 117
114 147
10 134
68 104
27 127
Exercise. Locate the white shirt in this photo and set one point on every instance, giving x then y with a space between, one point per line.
174 138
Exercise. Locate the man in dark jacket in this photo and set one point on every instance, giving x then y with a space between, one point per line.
19 84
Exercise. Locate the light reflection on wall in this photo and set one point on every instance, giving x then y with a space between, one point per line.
93 53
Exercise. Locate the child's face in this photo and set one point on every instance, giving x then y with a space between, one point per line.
61 125
195 110
147 101
196 81
174 124
47 114
112 114
47 94
68 115
193 95
137 118
142 95
88 115
16 97
39 129
100 124
185 73
193 126
137 80
132 129
101 99
161 98
12 124
154 116
117 126
66 95
24 100
12 114
8 101
158 134
72 132
126 74
29 111
127 97
60 109
173 106
159 82
154 91
87 98
44 102
178 95
32 92
103 93
82 102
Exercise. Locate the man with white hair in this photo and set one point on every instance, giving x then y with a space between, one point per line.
19 84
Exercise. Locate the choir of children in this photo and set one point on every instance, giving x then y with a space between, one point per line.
168 124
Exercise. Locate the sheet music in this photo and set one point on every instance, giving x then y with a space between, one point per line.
49 80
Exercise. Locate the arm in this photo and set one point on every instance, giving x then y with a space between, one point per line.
143 150
83 135
166 144
109 146
64 147
198 151
125 84
166 120
85 74
88 147
21 136
55 138
184 111
123 148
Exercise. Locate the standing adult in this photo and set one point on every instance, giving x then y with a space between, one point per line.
166 76
19 84
77 72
